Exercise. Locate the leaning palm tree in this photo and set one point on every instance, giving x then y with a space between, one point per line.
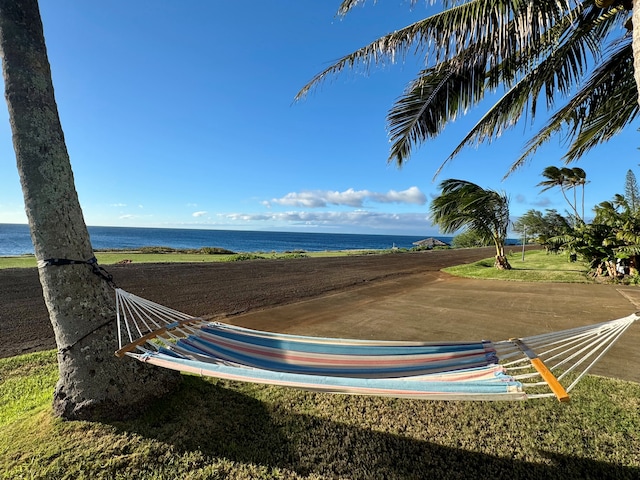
554 178
551 50
464 204
566 178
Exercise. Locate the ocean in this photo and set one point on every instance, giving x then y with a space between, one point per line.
15 240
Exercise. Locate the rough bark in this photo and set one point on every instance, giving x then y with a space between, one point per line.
502 263
93 383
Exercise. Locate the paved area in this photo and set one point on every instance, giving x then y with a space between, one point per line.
436 306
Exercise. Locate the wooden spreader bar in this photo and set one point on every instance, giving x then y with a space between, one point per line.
158 333
537 363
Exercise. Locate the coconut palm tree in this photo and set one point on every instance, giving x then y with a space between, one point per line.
463 204
93 383
566 178
574 52
578 178
556 177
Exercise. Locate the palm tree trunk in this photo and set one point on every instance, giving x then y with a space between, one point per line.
501 262
573 207
93 383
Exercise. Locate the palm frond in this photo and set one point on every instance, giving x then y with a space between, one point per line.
559 69
537 51
347 5
630 249
604 105
473 22
465 204
435 98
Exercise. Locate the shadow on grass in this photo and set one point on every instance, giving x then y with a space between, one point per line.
221 422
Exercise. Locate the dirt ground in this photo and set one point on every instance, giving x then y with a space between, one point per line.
402 296
213 288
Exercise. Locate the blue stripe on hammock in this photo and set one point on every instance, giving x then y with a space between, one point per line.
337 346
502 385
202 347
370 354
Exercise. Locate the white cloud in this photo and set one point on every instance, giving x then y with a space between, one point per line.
303 199
357 218
118 205
350 198
411 195
199 214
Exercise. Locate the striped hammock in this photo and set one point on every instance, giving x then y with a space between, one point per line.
539 366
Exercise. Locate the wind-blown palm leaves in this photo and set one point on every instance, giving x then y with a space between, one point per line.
603 106
543 49
566 178
463 204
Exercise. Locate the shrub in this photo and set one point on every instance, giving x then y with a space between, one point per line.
157 249
289 255
215 251
241 257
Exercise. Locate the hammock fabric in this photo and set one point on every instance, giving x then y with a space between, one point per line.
544 365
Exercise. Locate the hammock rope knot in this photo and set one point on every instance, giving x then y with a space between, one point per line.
96 269
92 262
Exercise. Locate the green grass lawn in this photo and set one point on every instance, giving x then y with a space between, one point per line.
538 266
217 429
112 257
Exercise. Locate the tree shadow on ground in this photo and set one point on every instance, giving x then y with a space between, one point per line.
224 423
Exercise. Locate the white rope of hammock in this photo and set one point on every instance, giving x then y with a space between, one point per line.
569 355
140 320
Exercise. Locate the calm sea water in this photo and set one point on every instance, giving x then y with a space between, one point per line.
15 240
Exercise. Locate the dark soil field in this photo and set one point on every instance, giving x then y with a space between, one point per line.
217 288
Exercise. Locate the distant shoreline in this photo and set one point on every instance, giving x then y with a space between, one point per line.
16 239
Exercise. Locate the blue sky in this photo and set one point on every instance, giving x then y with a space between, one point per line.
181 114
